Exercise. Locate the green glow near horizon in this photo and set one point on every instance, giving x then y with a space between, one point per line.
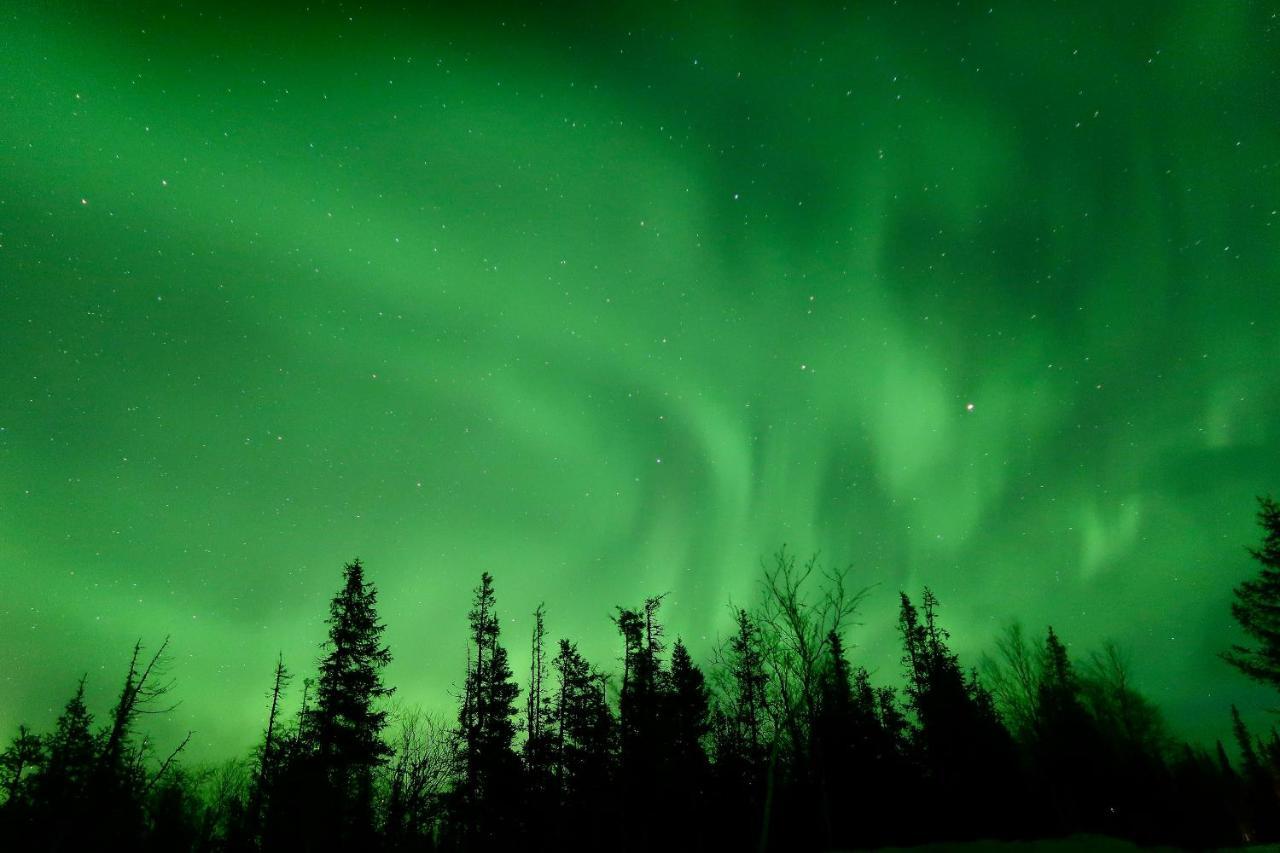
615 303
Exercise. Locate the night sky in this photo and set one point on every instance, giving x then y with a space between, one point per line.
615 301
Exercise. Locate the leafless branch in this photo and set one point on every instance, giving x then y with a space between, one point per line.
164 766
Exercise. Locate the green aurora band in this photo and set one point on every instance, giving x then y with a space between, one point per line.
613 301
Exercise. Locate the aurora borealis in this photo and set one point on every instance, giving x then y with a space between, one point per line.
613 301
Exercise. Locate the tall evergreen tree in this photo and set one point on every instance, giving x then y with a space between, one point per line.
347 720
1257 604
271 752
487 729
1066 744
62 789
1261 811
120 782
539 740
748 704
583 730
842 733
687 719
644 731
687 711
742 731
642 676
21 760
538 723
958 735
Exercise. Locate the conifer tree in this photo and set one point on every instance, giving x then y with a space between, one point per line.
538 732
20 760
958 734
1261 810
61 790
583 739
642 676
120 782
687 710
1257 605
271 752
686 718
348 719
743 706
539 740
644 732
72 747
487 729
1068 751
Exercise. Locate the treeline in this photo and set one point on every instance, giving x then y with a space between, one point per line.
778 742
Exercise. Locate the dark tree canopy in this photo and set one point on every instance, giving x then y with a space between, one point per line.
487 728
347 716
783 742
327 769
1257 604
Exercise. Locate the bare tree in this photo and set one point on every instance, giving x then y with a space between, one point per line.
144 688
426 758
1014 676
167 763
1123 712
269 755
536 712
795 620
223 791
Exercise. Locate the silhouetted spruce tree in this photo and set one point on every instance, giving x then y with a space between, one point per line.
62 789
584 730
538 731
687 715
741 732
857 755
21 759
488 797
1260 810
271 753
1257 604
748 709
296 783
120 782
967 754
1068 749
1133 750
347 720
49 783
644 741
892 769
1201 811
687 708
539 740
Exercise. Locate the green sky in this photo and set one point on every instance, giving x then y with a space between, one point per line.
614 303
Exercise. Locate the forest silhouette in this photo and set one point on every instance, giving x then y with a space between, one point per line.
778 742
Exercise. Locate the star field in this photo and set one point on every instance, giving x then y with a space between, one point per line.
614 302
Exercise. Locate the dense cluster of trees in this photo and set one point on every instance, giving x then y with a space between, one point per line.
780 743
